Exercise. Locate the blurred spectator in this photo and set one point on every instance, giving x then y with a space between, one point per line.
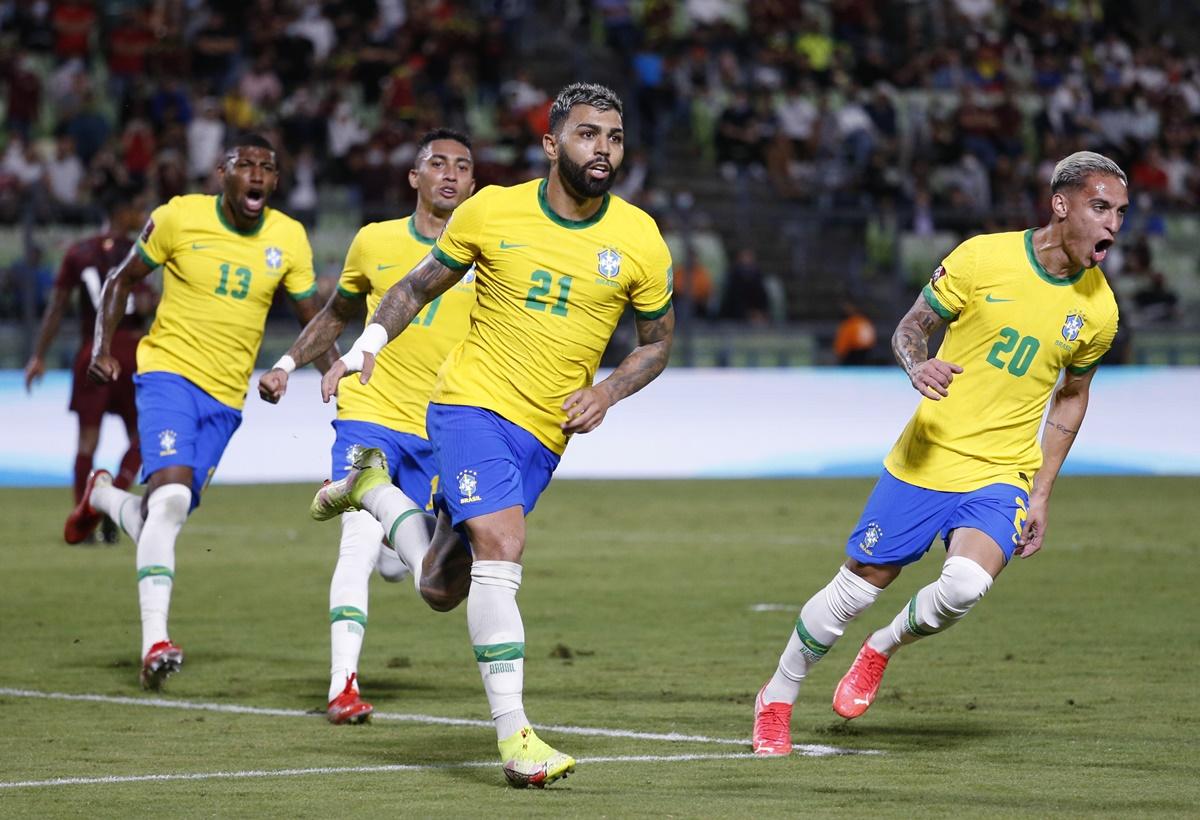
65 180
745 297
205 136
73 22
1156 302
24 97
693 286
854 341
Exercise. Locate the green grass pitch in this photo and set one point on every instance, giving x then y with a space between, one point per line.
1072 689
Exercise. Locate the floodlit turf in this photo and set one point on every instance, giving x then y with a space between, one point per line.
1071 689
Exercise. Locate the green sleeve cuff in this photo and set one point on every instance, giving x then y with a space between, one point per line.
449 261
653 314
303 294
146 257
1079 371
349 294
938 307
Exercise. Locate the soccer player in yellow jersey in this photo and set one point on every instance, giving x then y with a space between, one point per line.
223 258
387 415
557 261
1023 310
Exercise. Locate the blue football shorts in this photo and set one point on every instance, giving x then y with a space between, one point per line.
181 425
409 457
485 462
901 520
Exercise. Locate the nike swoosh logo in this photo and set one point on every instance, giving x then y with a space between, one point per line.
505 246
990 298
862 701
197 247
387 267
492 653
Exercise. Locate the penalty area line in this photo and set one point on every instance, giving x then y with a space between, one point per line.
803 749
325 770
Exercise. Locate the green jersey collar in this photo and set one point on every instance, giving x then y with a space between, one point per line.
573 224
1040 271
221 216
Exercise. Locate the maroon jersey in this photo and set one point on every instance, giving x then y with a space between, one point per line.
85 265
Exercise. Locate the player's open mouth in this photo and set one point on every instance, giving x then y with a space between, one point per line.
1101 251
448 192
254 200
599 170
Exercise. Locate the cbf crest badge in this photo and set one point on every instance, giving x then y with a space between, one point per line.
1072 326
468 483
609 263
871 538
166 443
274 258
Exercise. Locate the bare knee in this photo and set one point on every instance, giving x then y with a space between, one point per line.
879 575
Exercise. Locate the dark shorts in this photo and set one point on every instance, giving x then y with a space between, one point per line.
409 457
90 400
181 425
485 462
901 520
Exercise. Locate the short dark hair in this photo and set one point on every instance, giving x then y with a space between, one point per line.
443 134
246 139
600 97
120 196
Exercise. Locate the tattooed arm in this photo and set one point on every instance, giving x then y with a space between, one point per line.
585 408
424 283
318 338
1067 408
930 377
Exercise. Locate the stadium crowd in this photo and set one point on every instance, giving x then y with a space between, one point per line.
940 115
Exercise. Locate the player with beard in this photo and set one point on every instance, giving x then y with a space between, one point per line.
83 269
557 261
223 258
1022 310
389 413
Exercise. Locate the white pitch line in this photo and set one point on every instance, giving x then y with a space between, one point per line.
804 749
397 767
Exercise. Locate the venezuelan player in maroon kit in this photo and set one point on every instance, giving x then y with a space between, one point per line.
83 269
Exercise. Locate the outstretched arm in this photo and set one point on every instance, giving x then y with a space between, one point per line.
404 300
113 300
587 406
51 319
1068 406
910 343
317 342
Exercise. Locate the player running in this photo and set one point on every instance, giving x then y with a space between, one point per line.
83 269
223 258
557 262
1021 309
387 415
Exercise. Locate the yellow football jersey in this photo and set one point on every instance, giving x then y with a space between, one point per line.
397 396
1013 328
549 294
218 284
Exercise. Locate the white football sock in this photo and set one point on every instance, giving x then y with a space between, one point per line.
937 607
822 621
167 509
494 623
123 507
406 526
358 553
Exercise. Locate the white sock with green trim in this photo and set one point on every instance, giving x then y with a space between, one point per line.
167 509
406 526
936 607
358 553
123 507
822 621
494 623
